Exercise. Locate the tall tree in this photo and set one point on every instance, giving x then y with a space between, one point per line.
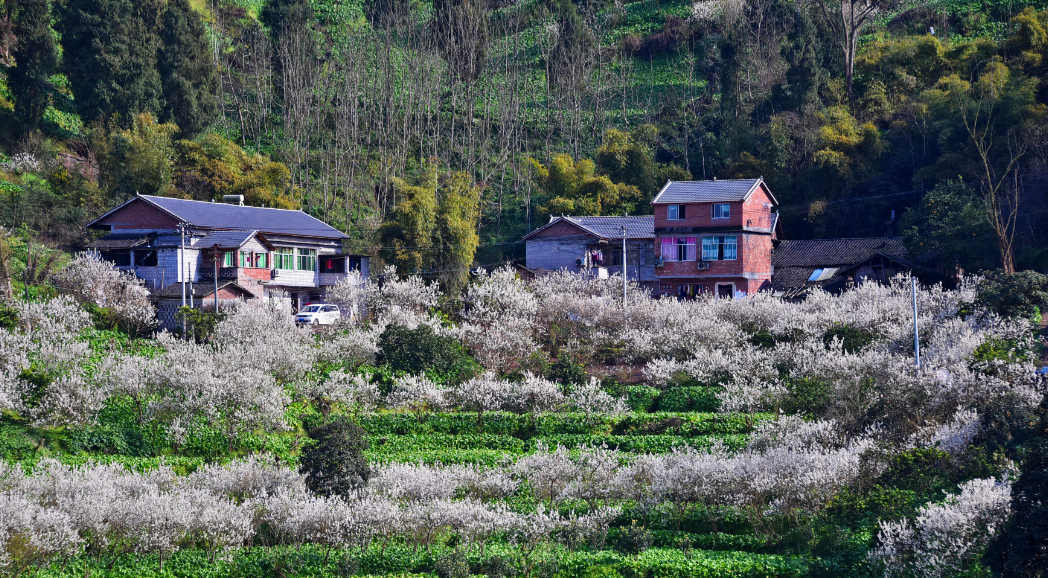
110 57
187 70
461 27
849 18
456 239
35 61
407 236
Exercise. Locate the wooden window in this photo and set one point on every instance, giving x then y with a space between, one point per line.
307 259
675 212
721 210
284 258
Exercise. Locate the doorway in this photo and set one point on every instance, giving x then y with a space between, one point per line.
726 290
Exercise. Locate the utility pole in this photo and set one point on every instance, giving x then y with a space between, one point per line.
623 267
916 337
181 261
216 280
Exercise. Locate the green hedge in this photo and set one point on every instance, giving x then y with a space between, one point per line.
400 559
694 398
644 444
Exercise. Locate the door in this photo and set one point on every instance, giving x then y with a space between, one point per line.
726 290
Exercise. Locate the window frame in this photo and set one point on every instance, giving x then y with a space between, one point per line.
303 255
228 260
717 244
717 217
680 212
284 258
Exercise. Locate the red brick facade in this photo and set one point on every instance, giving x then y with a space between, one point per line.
139 215
750 223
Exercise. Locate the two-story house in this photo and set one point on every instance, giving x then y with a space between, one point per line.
714 237
195 248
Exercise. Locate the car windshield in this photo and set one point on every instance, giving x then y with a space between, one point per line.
311 309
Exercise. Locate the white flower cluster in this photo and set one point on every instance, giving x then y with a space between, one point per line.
22 163
944 537
499 319
90 279
58 510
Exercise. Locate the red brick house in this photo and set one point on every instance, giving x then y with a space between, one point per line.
714 237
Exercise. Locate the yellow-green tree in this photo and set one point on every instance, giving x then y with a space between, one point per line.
571 187
433 230
211 166
140 159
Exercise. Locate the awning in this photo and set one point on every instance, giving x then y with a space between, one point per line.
119 242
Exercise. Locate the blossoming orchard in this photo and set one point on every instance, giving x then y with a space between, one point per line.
544 427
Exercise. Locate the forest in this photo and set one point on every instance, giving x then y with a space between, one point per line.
921 118
463 420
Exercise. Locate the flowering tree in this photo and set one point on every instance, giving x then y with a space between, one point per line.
90 279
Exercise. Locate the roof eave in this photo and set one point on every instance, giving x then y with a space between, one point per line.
662 190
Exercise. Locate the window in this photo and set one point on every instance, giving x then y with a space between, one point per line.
719 248
227 259
254 260
678 248
721 210
120 258
332 264
284 258
307 259
675 212
145 258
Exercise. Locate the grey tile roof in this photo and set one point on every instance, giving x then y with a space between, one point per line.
223 239
728 190
641 227
199 290
835 252
120 241
226 216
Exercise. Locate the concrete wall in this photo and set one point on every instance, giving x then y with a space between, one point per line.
554 253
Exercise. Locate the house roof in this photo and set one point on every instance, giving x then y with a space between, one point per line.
715 191
639 227
799 264
835 252
120 241
224 239
207 215
200 290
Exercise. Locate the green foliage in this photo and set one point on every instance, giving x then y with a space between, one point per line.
140 159
421 350
189 74
949 229
567 372
852 339
211 166
199 324
109 50
924 471
1023 294
1019 549
36 59
695 398
641 397
334 464
995 349
8 316
572 187
807 395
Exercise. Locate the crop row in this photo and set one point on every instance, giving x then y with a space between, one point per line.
398 444
491 559
526 426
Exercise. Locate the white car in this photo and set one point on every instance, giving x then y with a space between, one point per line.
318 314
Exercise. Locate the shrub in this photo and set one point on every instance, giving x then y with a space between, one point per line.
334 465
91 280
807 395
8 316
641 397
421 350
694 398
853 339
200 325
1023 294
566 371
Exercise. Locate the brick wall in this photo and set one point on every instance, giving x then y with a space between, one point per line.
140 215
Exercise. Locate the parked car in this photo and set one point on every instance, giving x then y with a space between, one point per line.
318 314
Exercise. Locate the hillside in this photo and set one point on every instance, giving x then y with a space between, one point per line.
341 107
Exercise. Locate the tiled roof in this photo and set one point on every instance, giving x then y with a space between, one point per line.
640 227
226 216
223 239
835 252
729 190
199 290
120 241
